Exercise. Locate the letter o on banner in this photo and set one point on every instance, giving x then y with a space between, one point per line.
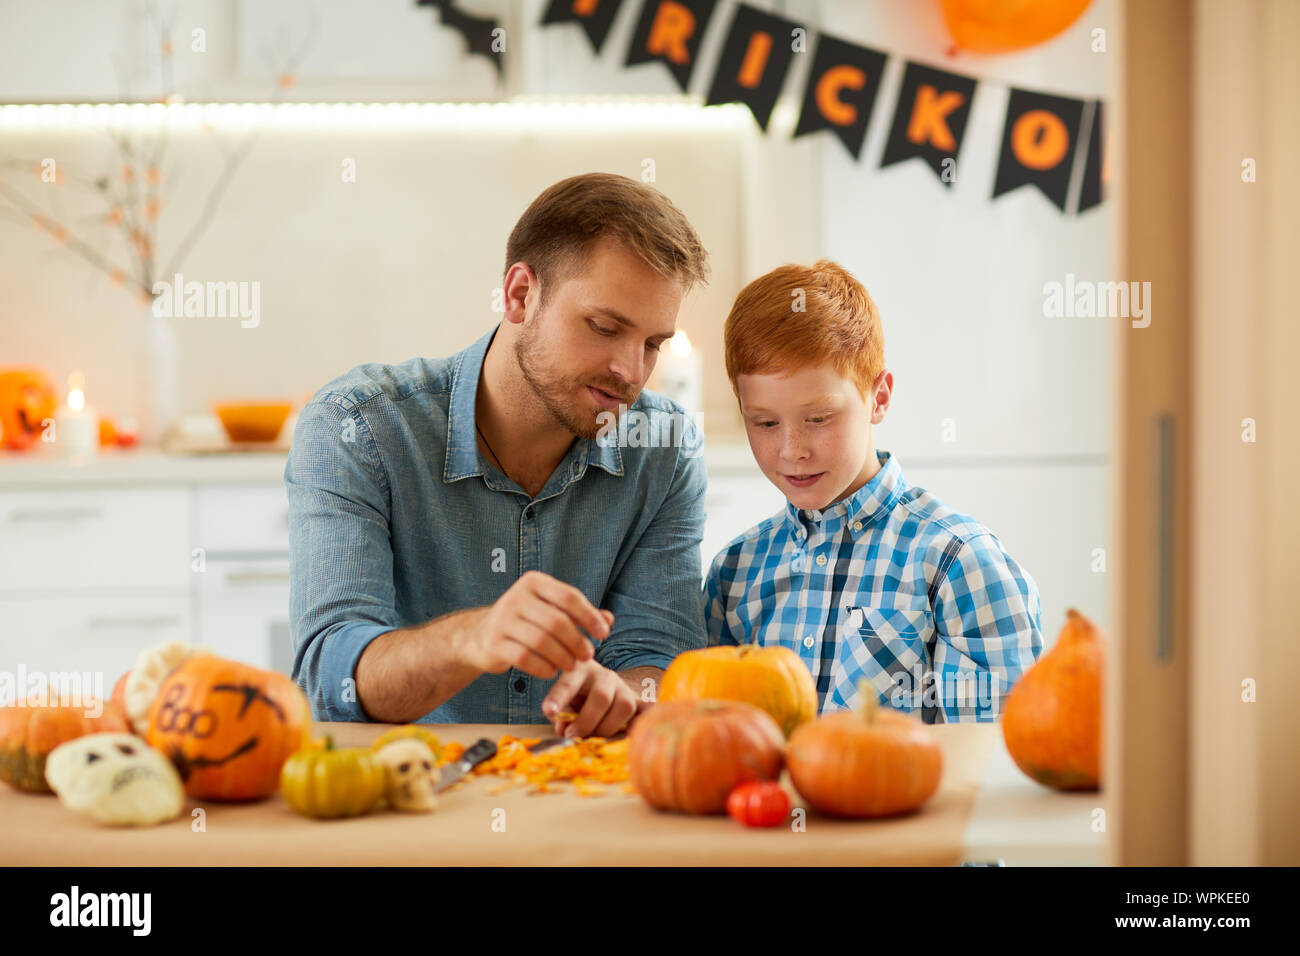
1039 139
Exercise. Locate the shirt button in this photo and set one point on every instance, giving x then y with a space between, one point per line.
857 526
521 685
808 641
821 559
528 513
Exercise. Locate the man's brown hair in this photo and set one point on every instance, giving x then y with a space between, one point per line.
797 316
562 223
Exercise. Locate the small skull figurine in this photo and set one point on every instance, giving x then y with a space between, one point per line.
115 779
409 768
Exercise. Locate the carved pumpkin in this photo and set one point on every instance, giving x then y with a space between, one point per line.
228 727
1051 720
29 732
872 762
26 400
325 782
771 678
688 755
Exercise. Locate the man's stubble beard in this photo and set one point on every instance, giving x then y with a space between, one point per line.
550 392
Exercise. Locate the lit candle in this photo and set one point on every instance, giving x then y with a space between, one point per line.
679 372
76 424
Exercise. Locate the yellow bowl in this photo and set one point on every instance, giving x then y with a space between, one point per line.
253 421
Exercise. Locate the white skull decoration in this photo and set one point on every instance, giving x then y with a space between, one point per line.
409 768
115 779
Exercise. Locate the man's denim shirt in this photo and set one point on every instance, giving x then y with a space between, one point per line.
395 518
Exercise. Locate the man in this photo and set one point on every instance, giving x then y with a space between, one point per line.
459 536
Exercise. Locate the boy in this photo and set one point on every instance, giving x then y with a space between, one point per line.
872 582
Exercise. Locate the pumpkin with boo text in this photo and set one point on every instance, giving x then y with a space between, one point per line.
228 727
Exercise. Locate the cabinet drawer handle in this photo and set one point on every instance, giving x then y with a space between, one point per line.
126 620
239 578
55 514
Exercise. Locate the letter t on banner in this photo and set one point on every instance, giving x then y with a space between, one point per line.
669 31
841 91
930 119
596 17
753 63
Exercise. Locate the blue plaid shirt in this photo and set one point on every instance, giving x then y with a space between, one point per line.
888 585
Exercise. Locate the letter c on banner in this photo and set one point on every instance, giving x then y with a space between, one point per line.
829 103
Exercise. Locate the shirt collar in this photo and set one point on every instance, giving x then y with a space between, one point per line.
462 459
859 510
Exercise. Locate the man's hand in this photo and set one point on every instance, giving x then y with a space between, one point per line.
602 699
534 626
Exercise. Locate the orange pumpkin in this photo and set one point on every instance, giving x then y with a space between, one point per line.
873 762
771 678
119 692
688 755
29 732
1051 720
228 727
26 401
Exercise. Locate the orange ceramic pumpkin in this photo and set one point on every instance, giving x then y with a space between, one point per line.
26 401
228 727
772 678
873 762
28 733
1051 720
688 755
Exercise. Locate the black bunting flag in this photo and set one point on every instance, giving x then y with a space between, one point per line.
669 32
1039 140
754 60
477 31
841 91
930 119
596 17
1090 192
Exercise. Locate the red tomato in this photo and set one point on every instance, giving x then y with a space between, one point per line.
758 803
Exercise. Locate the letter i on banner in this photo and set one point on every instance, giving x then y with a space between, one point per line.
596 17
930 119
754 60
1039 140
669 32
841 91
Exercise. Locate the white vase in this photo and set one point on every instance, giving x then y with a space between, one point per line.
160 372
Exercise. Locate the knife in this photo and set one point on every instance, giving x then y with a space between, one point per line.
485 749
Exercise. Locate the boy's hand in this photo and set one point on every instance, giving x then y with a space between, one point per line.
534 626
602 699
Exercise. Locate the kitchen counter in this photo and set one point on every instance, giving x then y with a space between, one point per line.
981 813
133 467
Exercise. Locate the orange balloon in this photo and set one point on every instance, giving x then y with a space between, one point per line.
999 26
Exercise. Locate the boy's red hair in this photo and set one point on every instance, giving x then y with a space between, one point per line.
766 333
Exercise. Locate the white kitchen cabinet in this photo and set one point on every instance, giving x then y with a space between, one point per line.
243 518
243 611
100 635
94 539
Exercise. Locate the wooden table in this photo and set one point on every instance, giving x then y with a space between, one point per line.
982 812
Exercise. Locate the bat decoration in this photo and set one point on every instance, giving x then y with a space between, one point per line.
477 31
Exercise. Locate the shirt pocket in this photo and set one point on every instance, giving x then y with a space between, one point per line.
887 645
